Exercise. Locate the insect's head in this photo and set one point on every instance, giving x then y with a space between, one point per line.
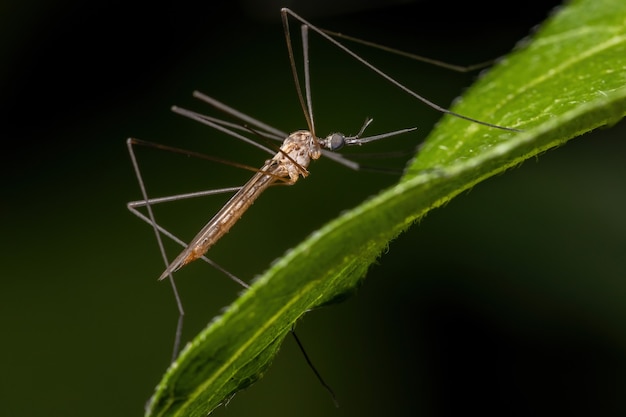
334 141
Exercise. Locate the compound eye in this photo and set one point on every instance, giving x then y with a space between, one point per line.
337 141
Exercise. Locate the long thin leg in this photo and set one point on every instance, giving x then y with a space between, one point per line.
426 60
304 33
179 304
239 115
211 122
178 197
294 72
381 73
313 368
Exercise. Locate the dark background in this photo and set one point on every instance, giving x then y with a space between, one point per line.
508 301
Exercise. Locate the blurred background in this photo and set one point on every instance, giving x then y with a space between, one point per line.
508 301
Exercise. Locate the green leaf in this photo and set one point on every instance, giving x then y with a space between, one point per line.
569 80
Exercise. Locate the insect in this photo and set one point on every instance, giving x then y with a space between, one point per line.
287 164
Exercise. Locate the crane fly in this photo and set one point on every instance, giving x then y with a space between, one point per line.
286 166
290 162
